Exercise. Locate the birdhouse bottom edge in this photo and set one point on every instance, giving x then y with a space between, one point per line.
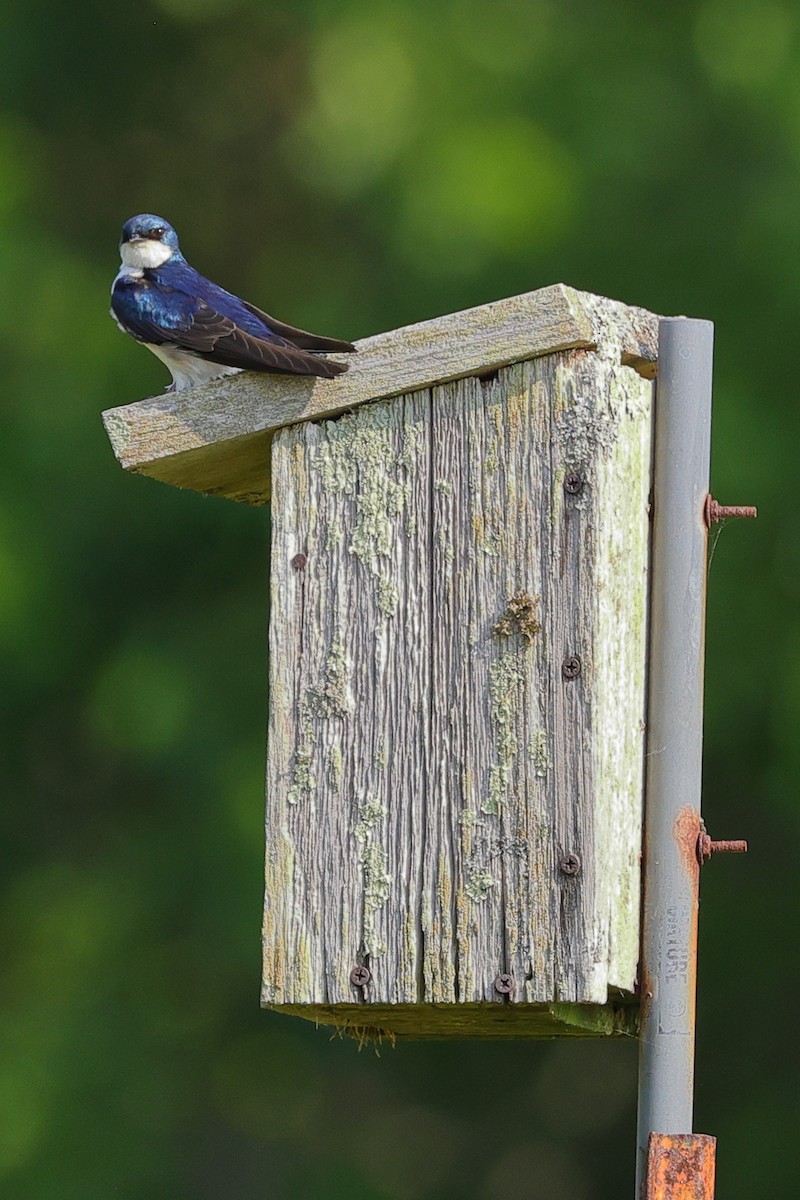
388 1022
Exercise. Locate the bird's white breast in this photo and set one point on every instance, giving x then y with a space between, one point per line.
127 273
144 256
187 369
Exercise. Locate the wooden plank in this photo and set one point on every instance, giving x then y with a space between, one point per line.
216 439
488 884
620 492
431 767
349 686
535 768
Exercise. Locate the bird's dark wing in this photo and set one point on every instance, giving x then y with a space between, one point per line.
245 315
300 338
217 338
166 315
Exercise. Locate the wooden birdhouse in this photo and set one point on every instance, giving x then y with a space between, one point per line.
458 629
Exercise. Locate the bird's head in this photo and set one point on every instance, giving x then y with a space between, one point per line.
148 242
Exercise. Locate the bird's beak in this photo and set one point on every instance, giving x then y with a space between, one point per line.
135 240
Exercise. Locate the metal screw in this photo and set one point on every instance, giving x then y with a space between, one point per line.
714 511
571 667
299 561
570 864
504 984
573 483
706 847
360 976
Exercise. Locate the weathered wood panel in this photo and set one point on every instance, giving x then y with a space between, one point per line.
446 801
216 439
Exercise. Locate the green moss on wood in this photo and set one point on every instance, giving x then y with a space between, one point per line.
499 1019
359 458
332 698
374 861
540 754
388 596
478 881
505 676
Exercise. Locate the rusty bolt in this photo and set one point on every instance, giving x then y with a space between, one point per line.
571 667
706 847
299 561
504 984
714 511
573 483
570 864
360 976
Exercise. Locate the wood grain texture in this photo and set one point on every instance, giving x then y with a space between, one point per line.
216 439
430 767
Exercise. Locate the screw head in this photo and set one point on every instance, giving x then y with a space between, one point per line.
360 976
571 667
504 984
570 864
299 561
573 483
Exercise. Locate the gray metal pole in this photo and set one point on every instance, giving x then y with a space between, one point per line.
675 731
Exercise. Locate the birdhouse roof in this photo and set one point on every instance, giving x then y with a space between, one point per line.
216 439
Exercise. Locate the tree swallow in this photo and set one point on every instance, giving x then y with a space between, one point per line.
199 330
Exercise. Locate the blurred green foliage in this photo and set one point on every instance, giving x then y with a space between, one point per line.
354 167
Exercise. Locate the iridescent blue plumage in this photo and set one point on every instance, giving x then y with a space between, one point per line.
197 328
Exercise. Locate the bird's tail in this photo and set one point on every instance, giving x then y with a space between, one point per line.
302 338
325 367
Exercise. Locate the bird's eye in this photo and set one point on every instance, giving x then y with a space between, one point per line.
156 233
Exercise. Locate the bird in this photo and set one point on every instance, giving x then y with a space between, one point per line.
196 328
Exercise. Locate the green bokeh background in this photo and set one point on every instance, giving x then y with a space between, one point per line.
353 167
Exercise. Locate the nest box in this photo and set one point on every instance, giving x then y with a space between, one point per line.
459 596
